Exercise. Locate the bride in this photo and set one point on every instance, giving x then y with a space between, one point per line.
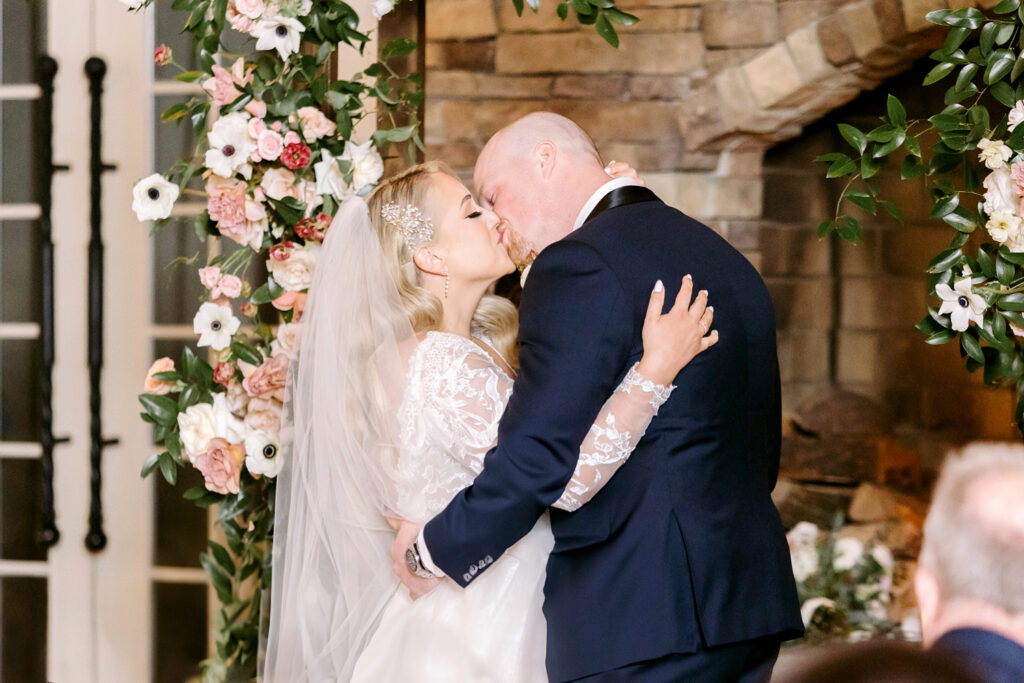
405 367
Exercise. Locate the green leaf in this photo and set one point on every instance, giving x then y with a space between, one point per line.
606 30
266 292
399 47
960 220
869 166
946 122
945 205
857 139
943 337
1006 7
911 168
1000 64
244 352
221 582
1012 302
955 38
966 76
1018 68
174 113
891 146
965 18
938 73
849 229
986 264
194 493
928 325
897 113
222 556
167 376
190 76
168 468
863 200
1004 271
619 17
971 346
163 409
841 167
892 209
563 10
1011 256
825 227
945 261
150 465
987 38
518 5
938 16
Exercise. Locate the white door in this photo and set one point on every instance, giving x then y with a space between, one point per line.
136 609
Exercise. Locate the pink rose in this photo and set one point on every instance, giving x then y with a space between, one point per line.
224 373
209 276
221 465
315 124
292 138
1017 174
223 85
155 386
279 183
230 286
226 203
257 108
163 55
250 8
266 380
263 415
269 144
239 21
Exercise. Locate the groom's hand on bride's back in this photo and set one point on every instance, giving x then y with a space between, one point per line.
406 533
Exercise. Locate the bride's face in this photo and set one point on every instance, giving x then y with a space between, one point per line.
468 236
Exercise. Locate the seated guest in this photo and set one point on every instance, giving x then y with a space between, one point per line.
873 662
970 580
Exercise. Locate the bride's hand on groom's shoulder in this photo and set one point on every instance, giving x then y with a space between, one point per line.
405 534
620 169
673 339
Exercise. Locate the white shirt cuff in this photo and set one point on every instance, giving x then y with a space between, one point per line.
425 559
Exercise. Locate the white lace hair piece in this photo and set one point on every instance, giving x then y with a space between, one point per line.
415 226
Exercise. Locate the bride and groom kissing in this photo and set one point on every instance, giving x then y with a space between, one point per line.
575 491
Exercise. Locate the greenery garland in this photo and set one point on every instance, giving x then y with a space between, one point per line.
980 283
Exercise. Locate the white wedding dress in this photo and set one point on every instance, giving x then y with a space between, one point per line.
493 630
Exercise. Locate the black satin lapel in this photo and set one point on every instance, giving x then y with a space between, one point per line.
621 196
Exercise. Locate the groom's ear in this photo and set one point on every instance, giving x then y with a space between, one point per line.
547 155
428 261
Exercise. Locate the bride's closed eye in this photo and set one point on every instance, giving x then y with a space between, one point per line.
475 214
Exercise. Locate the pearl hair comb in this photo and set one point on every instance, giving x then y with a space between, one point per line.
414 226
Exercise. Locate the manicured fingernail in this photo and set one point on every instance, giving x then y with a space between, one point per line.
704 292
711 308
687 277
658 286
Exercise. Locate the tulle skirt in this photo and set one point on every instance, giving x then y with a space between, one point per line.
492 631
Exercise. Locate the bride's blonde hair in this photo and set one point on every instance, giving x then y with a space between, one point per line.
495 316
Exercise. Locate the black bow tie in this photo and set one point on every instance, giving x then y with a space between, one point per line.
621 196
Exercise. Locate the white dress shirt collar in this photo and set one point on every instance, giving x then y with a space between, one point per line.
598 196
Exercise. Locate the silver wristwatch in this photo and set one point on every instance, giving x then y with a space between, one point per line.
415 563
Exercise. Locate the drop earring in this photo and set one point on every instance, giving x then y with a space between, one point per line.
447 283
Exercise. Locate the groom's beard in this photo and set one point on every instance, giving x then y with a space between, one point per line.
520 251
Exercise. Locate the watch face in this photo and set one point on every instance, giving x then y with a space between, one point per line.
410 560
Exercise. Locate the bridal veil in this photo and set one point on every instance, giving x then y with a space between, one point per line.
331 573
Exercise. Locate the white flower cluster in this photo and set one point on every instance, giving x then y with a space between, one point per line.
273 23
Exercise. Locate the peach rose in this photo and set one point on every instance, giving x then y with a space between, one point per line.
268 379
221 465
315 124
223 85
250 8
264 415
239 21
258 108
279 183
291 301
155 386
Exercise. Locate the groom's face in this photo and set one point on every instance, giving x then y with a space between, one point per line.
506 187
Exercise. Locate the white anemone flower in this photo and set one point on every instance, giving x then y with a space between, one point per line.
1016 115
230 146
280 33
215 324
961 303
994 153
153 198
263 454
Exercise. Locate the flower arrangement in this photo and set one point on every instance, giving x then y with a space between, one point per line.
844 586
276 155
980 282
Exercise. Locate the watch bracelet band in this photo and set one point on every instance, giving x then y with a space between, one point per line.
415 562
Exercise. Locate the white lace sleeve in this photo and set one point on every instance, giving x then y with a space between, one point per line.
620 425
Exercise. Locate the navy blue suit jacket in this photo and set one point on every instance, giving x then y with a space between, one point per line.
683 547
991 657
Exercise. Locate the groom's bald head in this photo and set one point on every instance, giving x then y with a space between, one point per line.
537 173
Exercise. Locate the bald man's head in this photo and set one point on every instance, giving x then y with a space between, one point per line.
537 173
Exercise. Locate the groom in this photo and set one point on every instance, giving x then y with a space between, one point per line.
679 569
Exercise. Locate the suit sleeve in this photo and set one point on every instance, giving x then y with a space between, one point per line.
575 337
